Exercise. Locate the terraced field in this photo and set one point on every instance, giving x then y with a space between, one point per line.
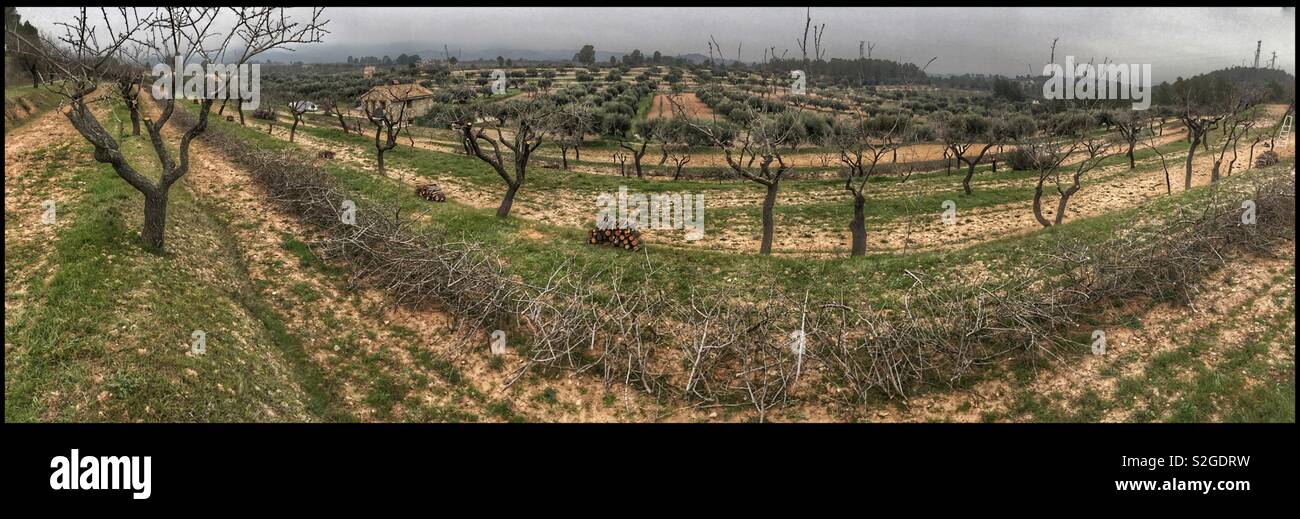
302 339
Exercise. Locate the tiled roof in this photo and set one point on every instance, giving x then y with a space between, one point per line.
407 92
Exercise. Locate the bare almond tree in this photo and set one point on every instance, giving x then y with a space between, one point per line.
761 141
862 144
1070 139
297 109
331 106
643 135
1130 125
92 47
128 79
388 116
680 155
260 29
518 126
1154 120
1246 127
1201 111
620 157
1045 157
1234 127
818 33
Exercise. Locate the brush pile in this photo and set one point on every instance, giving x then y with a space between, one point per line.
1266 159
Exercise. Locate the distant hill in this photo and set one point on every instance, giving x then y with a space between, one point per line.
1252 75
697 58
1277 85
859 72
326 53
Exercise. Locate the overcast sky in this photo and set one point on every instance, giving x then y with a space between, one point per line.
1176 41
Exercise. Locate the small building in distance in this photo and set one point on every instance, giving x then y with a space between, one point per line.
410 100
368 72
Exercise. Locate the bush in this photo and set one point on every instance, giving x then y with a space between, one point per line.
615 123
615 107
1024 158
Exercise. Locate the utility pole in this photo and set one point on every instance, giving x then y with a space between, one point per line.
1273 60
862 45
1257 44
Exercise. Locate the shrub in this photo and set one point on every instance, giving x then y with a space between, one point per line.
1024 158
615 123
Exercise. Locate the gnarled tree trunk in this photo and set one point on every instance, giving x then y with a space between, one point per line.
859 226
504 209
769 220
1191 152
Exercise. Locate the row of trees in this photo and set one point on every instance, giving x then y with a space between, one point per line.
23 44
1061 149
400 60
506 135
587 56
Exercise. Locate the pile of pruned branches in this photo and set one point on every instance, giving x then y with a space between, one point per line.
1165 258
724 348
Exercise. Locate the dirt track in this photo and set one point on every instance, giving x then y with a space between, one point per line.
694 108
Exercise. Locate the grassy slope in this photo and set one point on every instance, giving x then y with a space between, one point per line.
1187 384
69 369
39 97
105 326
1214 395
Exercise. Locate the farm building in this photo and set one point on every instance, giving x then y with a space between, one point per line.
391 98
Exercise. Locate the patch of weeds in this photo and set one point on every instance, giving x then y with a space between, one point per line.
305 292
547 396
501 409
